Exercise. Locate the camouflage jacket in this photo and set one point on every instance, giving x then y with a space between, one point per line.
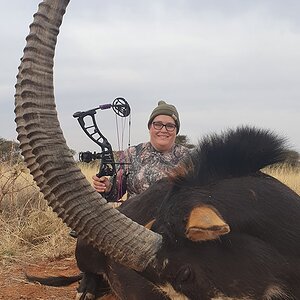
143 166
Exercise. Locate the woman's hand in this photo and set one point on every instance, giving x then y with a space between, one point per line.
102 184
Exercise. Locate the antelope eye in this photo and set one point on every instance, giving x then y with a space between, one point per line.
185 273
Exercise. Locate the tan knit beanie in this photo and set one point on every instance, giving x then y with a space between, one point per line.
165 109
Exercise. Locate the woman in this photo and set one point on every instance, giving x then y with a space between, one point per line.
147 162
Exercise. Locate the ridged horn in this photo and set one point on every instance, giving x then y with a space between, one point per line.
50 160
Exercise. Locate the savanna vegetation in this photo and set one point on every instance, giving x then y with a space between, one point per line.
29 230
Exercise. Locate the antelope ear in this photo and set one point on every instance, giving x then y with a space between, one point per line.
149 225
205 223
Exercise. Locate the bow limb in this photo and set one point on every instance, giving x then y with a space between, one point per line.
107 164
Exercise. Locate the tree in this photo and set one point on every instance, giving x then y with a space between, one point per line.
9 151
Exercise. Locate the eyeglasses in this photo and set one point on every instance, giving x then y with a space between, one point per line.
159 125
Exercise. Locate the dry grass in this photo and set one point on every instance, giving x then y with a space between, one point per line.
89 170
28 227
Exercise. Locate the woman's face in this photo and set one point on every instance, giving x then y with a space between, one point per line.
162 139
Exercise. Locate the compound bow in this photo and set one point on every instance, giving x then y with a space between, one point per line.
107 162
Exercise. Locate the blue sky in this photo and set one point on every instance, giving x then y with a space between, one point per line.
222 63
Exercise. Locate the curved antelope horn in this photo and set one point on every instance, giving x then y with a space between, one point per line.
50 160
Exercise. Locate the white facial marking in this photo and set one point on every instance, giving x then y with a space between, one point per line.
276 291
171 293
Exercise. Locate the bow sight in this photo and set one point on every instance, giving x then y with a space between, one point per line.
107 163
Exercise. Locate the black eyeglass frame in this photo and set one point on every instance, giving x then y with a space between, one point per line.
170 127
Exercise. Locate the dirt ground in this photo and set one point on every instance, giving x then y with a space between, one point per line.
14 286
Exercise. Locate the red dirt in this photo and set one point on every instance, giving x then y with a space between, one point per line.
14 286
